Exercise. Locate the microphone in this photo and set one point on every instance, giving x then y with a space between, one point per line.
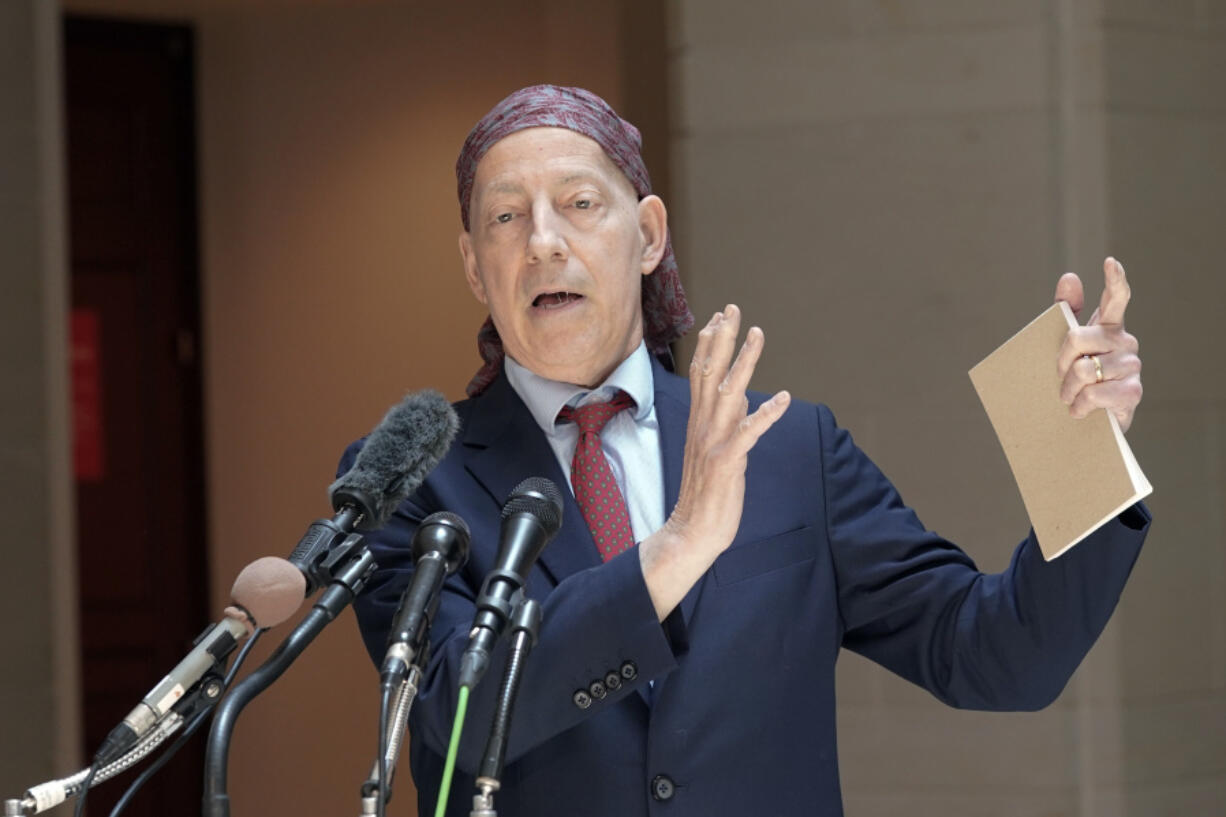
266 592
531 517
440 548
394 461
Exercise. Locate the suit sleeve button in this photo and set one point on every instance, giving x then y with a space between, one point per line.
582 699
629 671
613 681
597 690
662 787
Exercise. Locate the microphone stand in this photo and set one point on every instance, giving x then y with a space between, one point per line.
45 796
389 753
350 565
525 628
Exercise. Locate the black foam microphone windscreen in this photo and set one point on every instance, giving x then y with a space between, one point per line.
412 438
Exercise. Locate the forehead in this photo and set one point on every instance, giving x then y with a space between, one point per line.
545 154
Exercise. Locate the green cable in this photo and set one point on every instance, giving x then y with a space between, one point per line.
452 751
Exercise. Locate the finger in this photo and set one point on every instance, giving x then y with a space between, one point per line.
1070 290
739 374
1120 397
733 404
1080 375
1084 374
1093 340
700 364
751 429
723 345
1116 294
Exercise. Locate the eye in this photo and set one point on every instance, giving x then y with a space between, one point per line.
503 218
583 204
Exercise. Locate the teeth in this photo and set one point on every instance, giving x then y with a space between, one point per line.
552 300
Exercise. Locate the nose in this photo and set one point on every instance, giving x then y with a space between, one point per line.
547 242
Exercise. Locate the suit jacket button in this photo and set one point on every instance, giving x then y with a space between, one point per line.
597 690
662 787
613 681
629 671
582 699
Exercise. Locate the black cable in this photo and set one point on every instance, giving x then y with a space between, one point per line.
242 656
383 794
89 780
190 730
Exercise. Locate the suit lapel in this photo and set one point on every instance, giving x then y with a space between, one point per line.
506 446
672 413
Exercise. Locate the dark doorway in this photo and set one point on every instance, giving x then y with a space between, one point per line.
136 378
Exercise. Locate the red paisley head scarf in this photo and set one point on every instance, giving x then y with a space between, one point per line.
666 316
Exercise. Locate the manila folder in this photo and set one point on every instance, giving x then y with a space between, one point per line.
1074 475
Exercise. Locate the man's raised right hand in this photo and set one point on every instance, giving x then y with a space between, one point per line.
718 438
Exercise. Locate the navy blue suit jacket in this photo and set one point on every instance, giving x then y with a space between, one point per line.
741 719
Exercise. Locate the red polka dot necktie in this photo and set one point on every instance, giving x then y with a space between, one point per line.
596 491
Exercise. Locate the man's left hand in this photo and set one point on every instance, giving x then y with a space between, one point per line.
1114 383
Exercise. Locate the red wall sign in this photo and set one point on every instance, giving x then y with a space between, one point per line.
89 453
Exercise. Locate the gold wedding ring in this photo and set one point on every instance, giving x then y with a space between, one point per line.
1098 368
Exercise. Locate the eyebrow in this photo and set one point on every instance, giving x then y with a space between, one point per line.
504 187
580 177
513 188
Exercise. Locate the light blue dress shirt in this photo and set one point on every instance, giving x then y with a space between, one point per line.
631 441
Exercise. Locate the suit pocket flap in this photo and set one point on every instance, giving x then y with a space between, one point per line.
764 555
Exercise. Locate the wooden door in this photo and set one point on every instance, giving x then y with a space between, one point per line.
136 379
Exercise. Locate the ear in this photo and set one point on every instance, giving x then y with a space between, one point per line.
653 228
471 273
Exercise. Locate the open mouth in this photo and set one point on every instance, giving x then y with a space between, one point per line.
555 300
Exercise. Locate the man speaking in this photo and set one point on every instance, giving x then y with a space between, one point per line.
718 547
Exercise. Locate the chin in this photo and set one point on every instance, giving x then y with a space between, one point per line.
576 375
579 371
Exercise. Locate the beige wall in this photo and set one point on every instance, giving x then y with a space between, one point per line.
891 190
1164 119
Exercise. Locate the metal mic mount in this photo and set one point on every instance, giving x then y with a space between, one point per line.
398 720
525 626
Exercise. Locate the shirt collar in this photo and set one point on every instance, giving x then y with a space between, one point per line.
545 398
